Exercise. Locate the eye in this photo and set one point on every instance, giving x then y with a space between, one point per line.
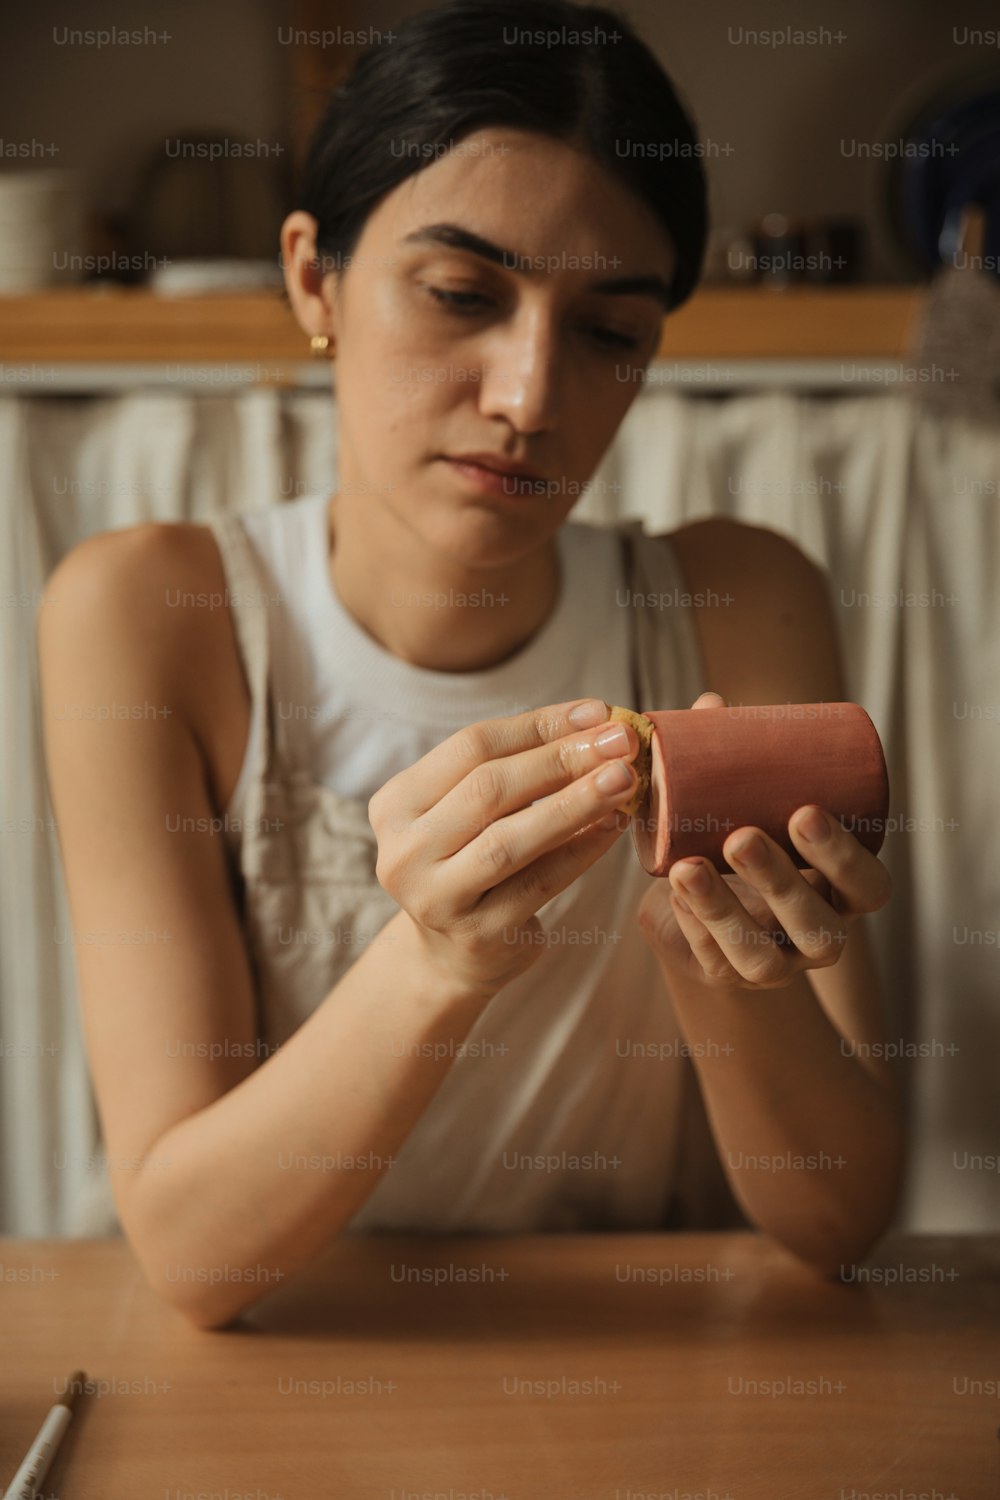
615 340
460 302
469 303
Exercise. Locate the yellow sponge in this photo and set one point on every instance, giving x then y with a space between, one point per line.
644 729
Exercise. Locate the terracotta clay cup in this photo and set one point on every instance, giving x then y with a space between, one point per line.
717 769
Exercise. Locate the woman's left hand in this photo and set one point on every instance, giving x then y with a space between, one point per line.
759 929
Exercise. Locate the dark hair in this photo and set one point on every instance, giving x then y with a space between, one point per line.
575 73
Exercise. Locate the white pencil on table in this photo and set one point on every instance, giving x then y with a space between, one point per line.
42 1451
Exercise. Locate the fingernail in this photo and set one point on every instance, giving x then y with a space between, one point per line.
612 741
694 879
614 778
813 827
586 715
750 852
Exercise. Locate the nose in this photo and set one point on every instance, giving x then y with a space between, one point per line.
521 373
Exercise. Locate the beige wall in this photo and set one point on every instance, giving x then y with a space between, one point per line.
788 110
784 111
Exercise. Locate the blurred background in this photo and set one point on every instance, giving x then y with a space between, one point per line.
836 378
788 125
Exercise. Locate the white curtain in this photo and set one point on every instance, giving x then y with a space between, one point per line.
901 507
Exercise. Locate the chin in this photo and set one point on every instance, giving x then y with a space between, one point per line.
481 535
485 540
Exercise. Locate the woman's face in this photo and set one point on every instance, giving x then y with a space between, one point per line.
441 350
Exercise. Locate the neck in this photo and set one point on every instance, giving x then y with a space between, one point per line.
431 611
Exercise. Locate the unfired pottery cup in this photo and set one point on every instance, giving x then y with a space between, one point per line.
717 769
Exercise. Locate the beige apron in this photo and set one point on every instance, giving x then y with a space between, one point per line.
307 864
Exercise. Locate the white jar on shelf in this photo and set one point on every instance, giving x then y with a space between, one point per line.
41 229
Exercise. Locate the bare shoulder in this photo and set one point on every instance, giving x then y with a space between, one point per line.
138 568
763 612
721 547
148 601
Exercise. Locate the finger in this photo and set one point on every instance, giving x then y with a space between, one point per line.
709 700
713 962
483 803
749 948
520 839
860 881
424 784
518 897
758 908
811 923
725 936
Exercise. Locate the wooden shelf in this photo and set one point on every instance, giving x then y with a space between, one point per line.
132 326
876 322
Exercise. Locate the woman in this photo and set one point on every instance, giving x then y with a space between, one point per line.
356 1009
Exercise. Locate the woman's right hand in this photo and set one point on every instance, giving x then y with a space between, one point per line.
467 855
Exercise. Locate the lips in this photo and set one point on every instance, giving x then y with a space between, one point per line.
497 465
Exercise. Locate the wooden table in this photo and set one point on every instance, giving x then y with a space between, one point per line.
621 1366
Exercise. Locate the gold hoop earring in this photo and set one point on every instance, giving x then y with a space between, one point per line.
322 346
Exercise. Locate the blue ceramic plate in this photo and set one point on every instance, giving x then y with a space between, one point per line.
954 160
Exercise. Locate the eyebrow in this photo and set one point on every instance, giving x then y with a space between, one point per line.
457 238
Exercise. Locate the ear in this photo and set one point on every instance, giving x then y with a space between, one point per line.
311 286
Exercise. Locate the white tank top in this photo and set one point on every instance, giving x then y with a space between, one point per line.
364 713
564 1107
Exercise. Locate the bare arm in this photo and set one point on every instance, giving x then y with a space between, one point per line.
202 1135
809 1136
254 1184
804 1108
